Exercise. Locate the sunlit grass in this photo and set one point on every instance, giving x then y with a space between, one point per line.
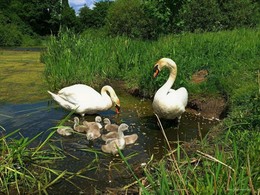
226 167
26 169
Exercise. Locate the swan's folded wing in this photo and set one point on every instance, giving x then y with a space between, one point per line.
79 93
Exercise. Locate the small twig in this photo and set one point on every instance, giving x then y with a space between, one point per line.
228 181
173 157
109 174
131 184
200 135
197 164
214 159
163 132
248 171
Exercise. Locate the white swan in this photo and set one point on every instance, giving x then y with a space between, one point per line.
85 100
169 103
118 143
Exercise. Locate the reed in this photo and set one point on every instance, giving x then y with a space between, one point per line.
217 170
26 169
91 59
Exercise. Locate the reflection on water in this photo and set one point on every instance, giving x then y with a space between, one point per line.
108 170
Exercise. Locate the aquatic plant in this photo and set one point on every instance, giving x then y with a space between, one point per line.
27 169
218 168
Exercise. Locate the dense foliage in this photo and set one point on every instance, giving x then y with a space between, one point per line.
228 56
145 19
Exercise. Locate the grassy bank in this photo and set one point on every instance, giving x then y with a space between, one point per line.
230 57
232 60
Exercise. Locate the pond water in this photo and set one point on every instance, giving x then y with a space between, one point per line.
33 118
108 171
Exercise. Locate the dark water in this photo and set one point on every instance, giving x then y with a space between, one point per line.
108 170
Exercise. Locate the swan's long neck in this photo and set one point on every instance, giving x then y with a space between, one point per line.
120 133
107 98
168 84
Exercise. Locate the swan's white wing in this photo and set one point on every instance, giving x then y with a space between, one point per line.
172 104
78 94
178 97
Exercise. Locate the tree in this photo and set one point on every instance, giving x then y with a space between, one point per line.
239 13
137 18
85 17
203 15
99 13
42 16
68 17
96 17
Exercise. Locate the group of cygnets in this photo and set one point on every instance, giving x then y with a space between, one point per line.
114 138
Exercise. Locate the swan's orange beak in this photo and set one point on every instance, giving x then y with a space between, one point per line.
156 71
117 109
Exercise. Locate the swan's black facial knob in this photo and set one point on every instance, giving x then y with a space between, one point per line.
156 71
117 109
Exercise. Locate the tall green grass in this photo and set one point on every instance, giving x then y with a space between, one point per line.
91 58
227 167
231 58
24 169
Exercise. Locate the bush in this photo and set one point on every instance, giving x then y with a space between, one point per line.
200 15
137 19
214 15
10 35
240 13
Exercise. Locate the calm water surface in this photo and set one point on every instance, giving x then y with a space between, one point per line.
109 171
42 113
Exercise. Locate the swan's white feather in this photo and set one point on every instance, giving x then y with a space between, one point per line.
169 103
85 100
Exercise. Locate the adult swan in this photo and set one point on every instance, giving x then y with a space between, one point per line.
85 100
169 103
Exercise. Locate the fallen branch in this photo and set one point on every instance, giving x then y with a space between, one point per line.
214 159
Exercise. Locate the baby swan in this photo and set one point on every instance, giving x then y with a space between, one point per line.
64 130
79 128
110 135
109 126
117 143
130 139
93 129
93 133
98 120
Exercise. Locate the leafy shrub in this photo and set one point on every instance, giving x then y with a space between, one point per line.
200 15
240 13
10 35
214 15
137 19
